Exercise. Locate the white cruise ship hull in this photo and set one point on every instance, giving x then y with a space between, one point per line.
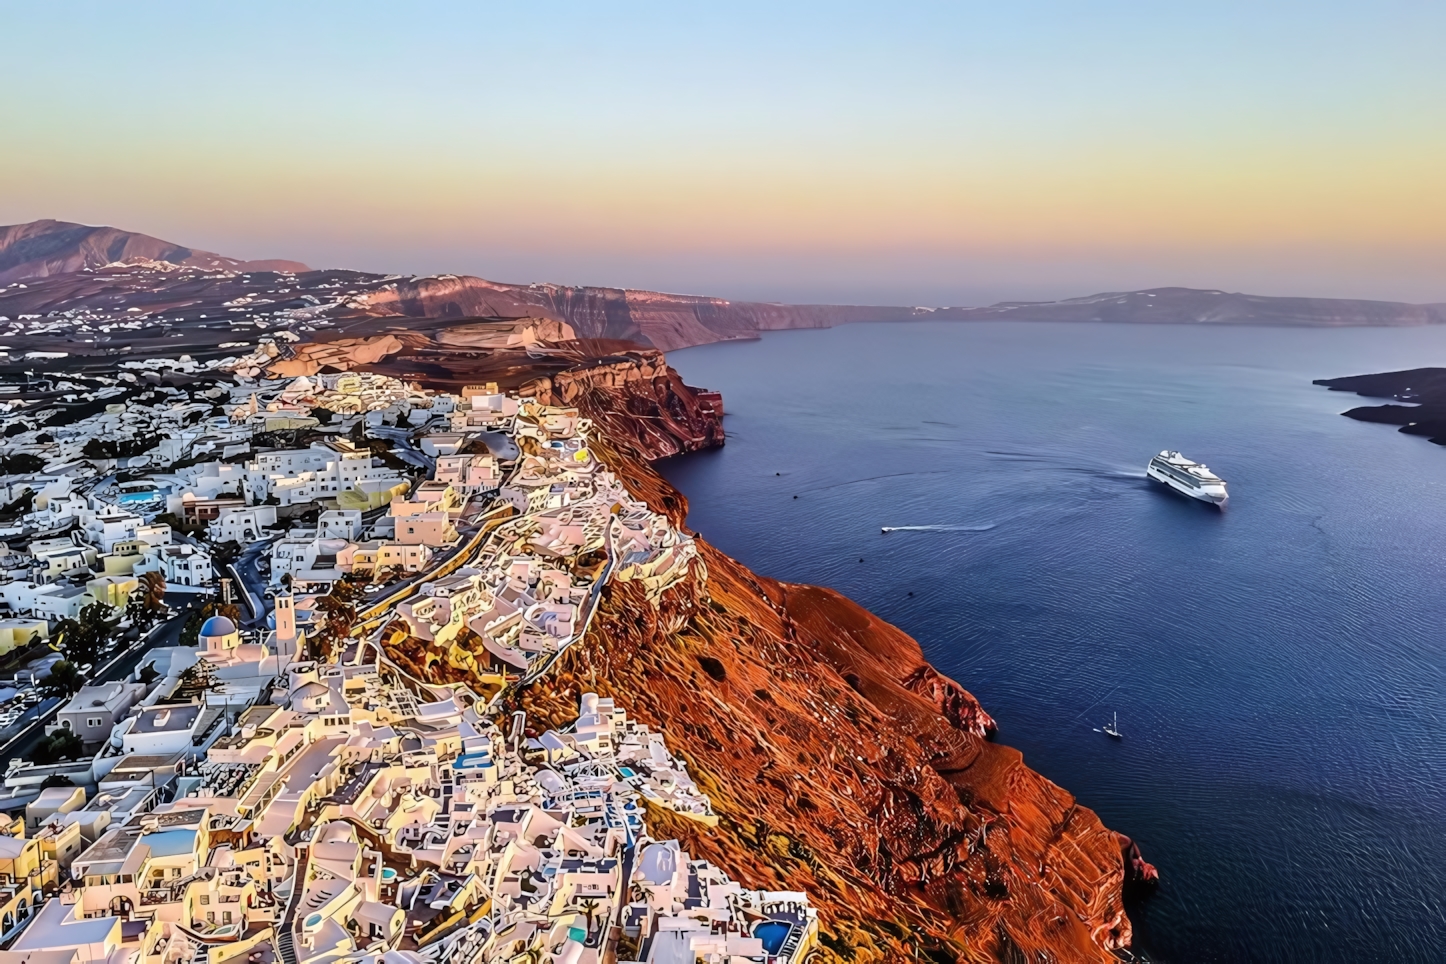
1214 494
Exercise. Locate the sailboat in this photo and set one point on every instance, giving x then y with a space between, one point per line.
1113 729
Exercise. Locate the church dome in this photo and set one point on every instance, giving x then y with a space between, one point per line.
218 626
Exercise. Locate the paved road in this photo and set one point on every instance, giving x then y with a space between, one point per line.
246 568
403 447
500 444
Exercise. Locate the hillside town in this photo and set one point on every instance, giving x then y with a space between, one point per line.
260 643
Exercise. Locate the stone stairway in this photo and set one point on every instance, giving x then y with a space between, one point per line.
285 941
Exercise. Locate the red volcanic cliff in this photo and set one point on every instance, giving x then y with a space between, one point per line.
639 403
838 760
665 321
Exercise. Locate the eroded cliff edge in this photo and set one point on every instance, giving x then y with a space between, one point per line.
839 761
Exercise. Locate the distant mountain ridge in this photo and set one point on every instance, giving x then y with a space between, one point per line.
41 249
49 255
669 321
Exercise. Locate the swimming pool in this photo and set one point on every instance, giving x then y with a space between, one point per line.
772 933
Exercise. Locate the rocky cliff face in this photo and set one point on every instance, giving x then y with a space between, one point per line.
839 761
664 321
639 403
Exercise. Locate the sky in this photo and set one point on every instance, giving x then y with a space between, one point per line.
893 153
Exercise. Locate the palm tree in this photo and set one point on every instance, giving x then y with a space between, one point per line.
148 601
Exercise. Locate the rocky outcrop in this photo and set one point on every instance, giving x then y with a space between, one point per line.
639 403
40 249
1422 389
342 353
523 333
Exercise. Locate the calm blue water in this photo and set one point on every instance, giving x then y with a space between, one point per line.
1277 667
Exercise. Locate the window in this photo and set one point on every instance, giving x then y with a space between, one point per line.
94 721
205 899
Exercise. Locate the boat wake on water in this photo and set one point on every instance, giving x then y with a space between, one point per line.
1067 463
980 528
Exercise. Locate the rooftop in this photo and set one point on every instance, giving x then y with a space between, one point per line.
167 719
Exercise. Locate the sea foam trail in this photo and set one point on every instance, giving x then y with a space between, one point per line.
983 528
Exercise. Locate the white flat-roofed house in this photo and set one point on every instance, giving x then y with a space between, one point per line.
321 563
430 496
94 711
181 565
241 523
59 601
469 474
59 934
288 553
56 557
107 526
442 444
205 482
375 555
165 730
432 529
485 410
322 471
340 524
57 511
154 534
174 448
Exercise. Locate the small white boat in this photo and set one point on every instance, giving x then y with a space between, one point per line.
1113 729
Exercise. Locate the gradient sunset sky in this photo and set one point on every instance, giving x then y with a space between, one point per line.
914 153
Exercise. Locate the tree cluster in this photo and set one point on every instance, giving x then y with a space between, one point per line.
84 638
20 463
58 746
65 680
338 609
99 448
148 603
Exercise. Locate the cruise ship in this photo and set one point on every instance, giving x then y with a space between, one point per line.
1190 478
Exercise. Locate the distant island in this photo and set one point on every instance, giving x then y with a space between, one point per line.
1424 389
60 274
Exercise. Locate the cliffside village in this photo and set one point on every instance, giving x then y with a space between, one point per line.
286 789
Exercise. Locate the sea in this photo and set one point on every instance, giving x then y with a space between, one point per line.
1278 668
